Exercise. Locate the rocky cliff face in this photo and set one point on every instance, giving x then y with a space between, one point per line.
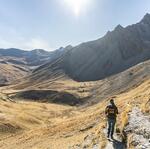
115 52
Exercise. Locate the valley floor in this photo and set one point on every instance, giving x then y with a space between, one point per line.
35 125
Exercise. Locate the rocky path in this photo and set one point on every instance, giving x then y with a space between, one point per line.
139 127
116 143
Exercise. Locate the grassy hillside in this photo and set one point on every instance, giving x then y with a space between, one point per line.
42 125
10 72
28 124
50 78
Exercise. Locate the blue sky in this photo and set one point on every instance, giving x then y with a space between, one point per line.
50 24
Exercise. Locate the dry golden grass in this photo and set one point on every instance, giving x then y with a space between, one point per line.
40 120
146 106
124 117
42 125
11 73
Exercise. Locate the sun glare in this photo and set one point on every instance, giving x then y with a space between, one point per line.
77 6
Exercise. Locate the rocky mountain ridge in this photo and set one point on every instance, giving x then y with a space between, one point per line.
115 52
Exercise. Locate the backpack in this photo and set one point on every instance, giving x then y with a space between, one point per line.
111 111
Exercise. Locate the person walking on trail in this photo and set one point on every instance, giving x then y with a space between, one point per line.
111 112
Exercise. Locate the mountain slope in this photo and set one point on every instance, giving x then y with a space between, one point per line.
53 78
16 63
9 73
115 52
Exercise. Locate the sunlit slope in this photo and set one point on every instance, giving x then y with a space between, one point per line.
40 125
9 73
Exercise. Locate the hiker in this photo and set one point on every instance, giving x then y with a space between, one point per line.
111 112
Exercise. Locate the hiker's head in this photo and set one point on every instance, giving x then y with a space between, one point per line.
112 101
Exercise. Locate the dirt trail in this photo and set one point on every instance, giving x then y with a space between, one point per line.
116 143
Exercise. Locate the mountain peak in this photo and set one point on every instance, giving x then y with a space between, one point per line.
146 18
147 15
119 27
69 47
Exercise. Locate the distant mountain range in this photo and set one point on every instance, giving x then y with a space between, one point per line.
31 58
17 63
117 51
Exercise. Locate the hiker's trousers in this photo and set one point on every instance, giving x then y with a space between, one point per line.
111 126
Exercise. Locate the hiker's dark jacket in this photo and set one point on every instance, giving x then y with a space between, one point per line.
111 111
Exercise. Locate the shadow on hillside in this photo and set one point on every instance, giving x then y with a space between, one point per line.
2 85
48 96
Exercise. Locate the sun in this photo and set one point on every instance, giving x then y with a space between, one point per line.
77 6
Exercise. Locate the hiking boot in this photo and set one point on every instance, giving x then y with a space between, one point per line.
107 136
